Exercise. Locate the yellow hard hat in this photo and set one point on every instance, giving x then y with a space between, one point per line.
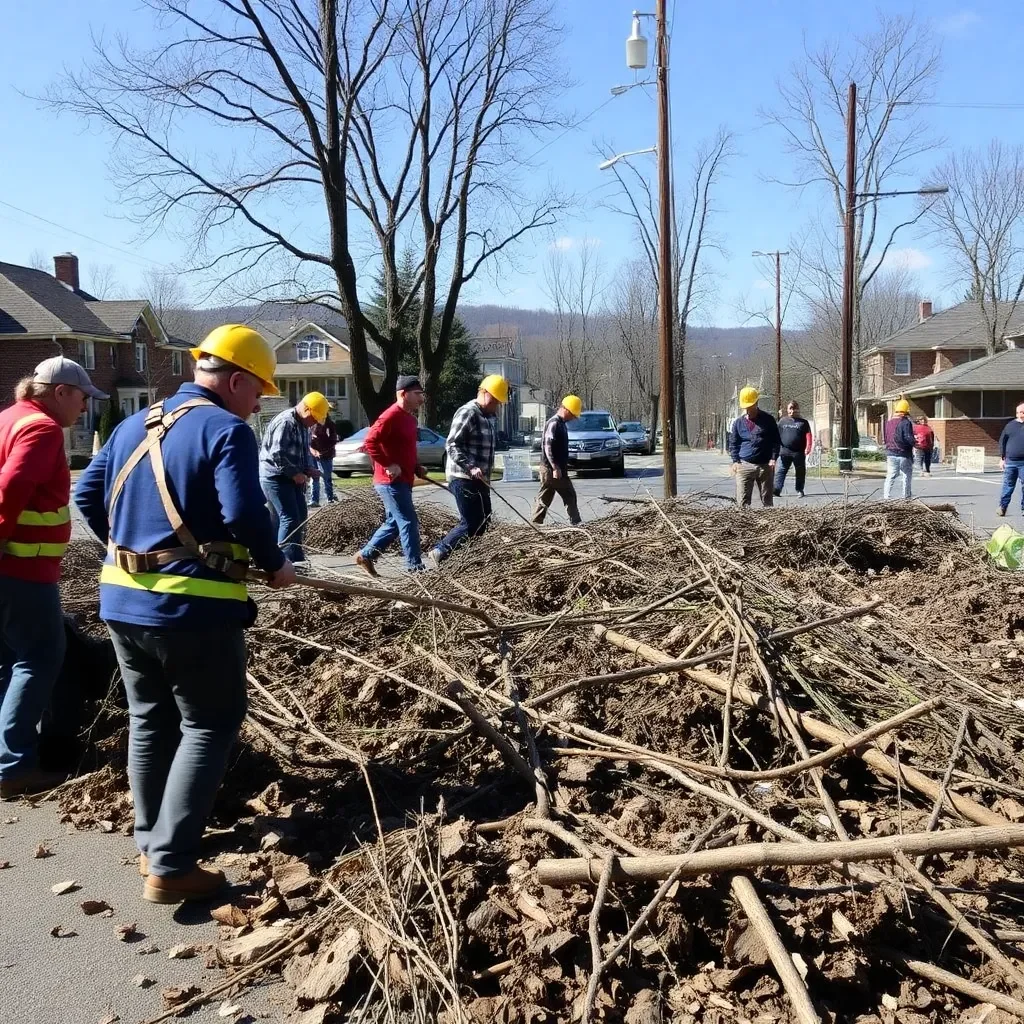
573 404
242 347
749 397
496 385
902 405
316 405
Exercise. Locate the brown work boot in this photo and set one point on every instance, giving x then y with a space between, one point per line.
33 782
143 865
366 564
198 884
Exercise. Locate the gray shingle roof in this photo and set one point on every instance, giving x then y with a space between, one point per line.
121 315
34 302
1002 372
960 326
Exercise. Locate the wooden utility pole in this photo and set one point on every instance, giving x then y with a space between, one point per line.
668 399
849 268
777 256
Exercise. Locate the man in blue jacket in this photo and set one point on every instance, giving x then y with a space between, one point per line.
1011 459
175 495
899 449
754 446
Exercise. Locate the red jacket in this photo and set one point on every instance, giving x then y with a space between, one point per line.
35 488
390 441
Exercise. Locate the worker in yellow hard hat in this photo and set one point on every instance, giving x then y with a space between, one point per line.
554 462
470 462
287 464
899 449
754 446
175 496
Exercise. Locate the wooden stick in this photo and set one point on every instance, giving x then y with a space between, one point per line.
782 961
940 799
759 855
723 760
655 605
971 989
596 960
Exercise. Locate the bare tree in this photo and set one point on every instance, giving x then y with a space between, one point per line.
693 216
350 130
632 309
980 221
167 294
38 260
102 281
895 68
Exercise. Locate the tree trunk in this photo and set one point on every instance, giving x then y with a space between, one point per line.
655 402
682 431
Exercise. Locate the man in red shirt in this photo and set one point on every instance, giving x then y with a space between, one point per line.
35 527
924 444
391 444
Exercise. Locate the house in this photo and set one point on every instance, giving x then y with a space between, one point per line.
314 356
121 343
501 352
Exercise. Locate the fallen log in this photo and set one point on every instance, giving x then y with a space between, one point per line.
578 871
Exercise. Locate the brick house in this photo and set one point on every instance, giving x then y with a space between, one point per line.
121 343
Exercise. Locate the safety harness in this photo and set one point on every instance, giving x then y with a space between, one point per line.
141 567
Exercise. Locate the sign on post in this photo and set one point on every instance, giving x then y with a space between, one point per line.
516 468
970 459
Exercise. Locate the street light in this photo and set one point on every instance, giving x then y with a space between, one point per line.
618 90
612 161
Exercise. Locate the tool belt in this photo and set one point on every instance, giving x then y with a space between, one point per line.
230 559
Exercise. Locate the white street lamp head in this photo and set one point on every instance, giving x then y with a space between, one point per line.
636 48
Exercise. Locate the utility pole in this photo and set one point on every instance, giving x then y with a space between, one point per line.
665 316
777 256
846 367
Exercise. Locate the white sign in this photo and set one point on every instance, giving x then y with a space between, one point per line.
970 459
517 468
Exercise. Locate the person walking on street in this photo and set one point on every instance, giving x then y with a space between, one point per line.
35 527
286 464
754 444
899 449
554 462
323 441
924 444
470 455
391 445
795 445
175 495
1011 460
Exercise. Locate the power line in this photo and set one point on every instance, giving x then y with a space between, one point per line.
964 106
571 128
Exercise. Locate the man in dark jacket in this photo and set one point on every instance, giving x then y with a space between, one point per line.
554 462
899 448
323 441
795 436
1011 459
754 446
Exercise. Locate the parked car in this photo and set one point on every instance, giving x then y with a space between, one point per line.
868 445
635 440
350 458
594 443
535 440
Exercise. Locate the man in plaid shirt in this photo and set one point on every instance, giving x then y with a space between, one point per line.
470 451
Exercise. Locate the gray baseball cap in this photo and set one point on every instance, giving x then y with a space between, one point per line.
59 370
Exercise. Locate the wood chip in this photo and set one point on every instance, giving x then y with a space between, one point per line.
230 915
105 826
184 951
91 907
228 1009
148 950
331 968
293 878
179 994
126 931
70 885
249 948
109 1018
41 852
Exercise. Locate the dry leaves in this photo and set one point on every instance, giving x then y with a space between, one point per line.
58 931
41 852
4 865
93 907
230 915
178 994
126 931
184 951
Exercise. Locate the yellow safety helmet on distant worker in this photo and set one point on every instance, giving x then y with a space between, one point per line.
242 347
316 405
749 397
573 403
496 385
902 406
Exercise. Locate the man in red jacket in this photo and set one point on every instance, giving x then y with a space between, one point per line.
391 444
35 527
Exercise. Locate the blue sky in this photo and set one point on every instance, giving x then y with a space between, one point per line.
727 57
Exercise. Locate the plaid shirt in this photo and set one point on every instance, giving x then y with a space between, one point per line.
470 442
285 448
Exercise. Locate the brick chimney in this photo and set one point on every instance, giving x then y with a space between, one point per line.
924 310
65 269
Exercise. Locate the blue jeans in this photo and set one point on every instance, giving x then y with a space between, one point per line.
1013 472
326 467
32 644
288 509
473 500
799 462
400 522
186 701
897 466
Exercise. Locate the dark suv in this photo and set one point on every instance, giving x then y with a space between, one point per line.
594 443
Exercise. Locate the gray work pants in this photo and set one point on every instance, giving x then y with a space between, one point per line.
747 475
549 487
186 701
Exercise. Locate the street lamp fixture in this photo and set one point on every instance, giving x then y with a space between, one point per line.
618 90
612 161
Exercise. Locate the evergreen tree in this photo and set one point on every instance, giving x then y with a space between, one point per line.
109 418
408 322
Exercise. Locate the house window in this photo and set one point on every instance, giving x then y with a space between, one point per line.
311 349
943 408
334 387
967 404
87 353
901 364
176 364
140 357
113 356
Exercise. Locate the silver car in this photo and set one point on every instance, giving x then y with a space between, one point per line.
635 440
350 458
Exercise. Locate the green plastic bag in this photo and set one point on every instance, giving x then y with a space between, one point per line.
1006 548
